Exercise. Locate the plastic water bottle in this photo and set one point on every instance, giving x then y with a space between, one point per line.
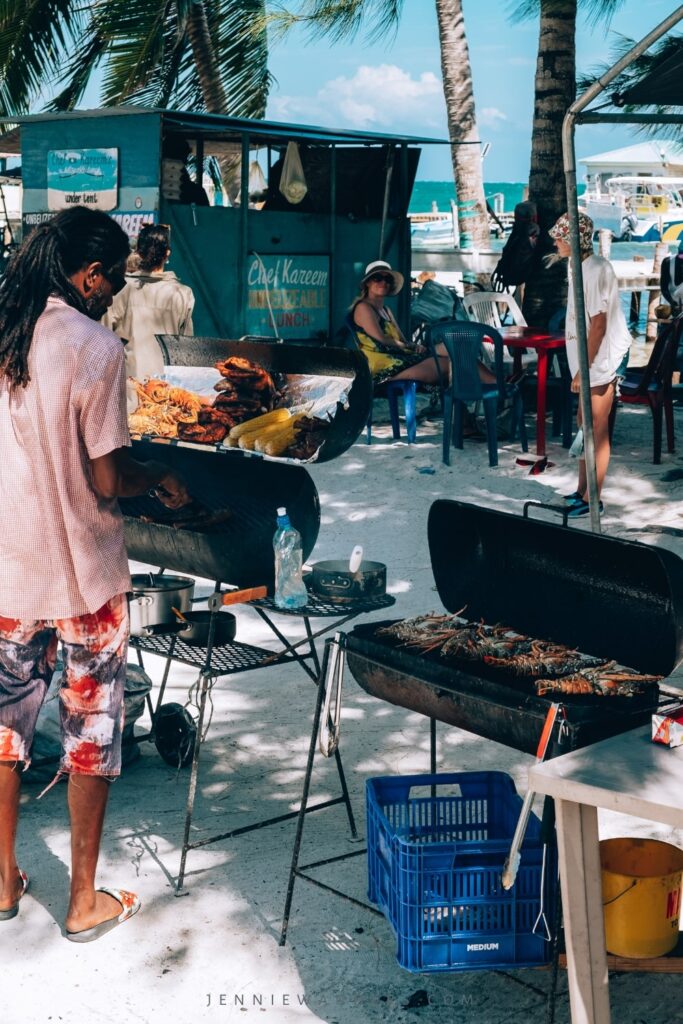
290 589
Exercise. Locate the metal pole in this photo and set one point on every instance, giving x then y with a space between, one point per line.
244 234
581 333
404 250
387 191
569 158
333 239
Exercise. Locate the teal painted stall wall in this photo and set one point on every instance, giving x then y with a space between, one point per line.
206 248
136 136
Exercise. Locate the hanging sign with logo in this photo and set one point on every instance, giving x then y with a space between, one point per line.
288 296
82 177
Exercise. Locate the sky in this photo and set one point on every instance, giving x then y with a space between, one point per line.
395 85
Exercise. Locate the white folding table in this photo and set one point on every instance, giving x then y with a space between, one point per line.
626 773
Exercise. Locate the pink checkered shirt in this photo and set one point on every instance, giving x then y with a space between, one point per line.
62 552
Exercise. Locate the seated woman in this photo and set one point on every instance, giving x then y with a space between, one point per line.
380 338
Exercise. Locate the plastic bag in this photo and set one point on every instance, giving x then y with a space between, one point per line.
293 183
257 182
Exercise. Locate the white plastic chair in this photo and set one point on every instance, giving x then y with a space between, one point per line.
492 308
487 307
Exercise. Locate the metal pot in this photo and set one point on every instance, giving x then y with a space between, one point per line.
336 582
197 632
153 598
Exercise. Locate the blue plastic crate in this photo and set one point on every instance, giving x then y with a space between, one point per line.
436 849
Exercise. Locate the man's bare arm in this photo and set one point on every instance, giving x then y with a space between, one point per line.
119 475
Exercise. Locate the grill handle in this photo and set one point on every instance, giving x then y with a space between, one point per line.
514 857
562 509
220 600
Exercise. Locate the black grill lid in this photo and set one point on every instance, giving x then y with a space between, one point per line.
606 596
286 358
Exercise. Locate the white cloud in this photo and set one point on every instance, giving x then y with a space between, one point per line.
379 97
491 117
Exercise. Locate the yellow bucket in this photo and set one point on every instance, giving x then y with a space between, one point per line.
641 895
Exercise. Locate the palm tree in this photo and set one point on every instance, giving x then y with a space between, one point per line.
343 19
201 54
555 91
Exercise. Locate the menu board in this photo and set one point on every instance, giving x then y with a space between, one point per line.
288 296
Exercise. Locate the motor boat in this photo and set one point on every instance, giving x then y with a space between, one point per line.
638 208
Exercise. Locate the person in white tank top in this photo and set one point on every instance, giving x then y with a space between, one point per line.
608 342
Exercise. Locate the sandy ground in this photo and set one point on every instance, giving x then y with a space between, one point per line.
212 954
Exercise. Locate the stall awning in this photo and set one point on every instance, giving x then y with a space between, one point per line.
661 86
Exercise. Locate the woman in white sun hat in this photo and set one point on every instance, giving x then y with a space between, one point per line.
380 338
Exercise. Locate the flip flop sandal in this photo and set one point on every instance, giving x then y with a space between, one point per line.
7 915
130 904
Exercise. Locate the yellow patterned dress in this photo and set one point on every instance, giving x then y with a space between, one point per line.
385 361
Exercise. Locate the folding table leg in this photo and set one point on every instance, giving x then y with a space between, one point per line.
205 678
304 794
162 688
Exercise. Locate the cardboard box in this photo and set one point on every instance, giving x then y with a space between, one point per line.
668 729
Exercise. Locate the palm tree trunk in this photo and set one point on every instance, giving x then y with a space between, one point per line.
205 59
462 125
555 90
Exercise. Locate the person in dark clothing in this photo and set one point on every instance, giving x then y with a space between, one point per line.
671 280
176 183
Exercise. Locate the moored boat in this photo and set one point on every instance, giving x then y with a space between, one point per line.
639 208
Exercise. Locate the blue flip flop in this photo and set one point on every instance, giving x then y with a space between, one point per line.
7 915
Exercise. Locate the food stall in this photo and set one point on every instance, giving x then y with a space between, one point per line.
265 254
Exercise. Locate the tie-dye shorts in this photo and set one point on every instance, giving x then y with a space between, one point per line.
94 652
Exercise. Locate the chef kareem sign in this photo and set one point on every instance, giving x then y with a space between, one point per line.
288 296
82 177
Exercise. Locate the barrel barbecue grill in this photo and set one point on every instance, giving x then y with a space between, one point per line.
610 598
250 486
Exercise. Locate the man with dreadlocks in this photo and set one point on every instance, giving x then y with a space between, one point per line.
63 568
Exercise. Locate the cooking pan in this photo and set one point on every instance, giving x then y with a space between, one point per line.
196 632
153 598
335 581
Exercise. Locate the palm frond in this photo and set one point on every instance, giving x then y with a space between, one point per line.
595 10
36 38
338 19
241 45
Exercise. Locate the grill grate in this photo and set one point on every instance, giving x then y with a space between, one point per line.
226 659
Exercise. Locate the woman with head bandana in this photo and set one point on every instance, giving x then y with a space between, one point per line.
608 342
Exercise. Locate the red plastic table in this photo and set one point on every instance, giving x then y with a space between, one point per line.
543 343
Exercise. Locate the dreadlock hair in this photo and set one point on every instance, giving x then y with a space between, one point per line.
41 267
153 244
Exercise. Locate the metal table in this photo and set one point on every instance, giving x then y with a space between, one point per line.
215 661
629 774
